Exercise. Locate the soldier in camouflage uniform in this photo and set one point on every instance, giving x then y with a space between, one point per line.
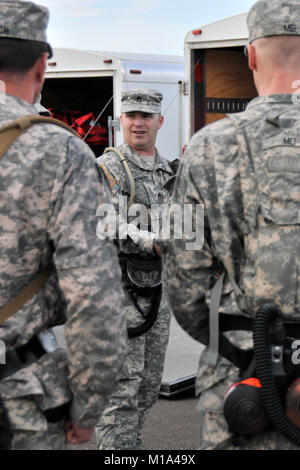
122 422
49 194
216 172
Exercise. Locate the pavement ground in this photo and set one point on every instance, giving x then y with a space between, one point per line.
172 424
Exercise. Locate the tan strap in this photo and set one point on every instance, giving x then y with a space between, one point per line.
10 132
128 172
15 304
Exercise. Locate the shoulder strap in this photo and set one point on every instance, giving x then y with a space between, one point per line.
18 302
214 334
219 345
8 134
128 172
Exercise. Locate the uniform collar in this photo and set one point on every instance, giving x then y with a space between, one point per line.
271 99
135 158
17 104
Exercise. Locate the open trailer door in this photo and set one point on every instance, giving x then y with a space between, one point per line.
217 75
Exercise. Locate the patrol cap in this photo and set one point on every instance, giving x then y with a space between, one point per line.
24 20
274 18
146 101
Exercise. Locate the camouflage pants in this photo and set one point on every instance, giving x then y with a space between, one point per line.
214 433
121 424
31 431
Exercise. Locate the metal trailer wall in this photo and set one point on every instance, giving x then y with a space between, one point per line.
110 74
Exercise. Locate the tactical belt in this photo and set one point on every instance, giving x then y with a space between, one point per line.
220 323
242 357
21 357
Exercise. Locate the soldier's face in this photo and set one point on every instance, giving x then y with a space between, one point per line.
140 130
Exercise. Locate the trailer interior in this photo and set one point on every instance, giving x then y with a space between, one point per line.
79 102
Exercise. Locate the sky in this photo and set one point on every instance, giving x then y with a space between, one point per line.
141 26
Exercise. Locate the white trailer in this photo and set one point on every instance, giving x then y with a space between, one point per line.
217 79
93 81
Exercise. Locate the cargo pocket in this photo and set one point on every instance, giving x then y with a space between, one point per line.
214 429
24 414
31 391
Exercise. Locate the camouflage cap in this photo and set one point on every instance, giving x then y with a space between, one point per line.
146 101
274 18
24 20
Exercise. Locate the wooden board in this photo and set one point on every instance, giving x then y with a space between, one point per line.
227 76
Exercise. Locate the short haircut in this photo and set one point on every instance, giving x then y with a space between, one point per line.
18 55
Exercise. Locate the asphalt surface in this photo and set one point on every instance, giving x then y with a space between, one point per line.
172 424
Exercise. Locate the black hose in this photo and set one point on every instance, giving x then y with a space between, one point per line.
150 318
269 391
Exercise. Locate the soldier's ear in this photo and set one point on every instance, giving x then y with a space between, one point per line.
252 57
161 121
39 68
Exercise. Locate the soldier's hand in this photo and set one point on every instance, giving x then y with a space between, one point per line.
77 435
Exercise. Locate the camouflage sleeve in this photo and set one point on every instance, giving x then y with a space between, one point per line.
188 273
89 277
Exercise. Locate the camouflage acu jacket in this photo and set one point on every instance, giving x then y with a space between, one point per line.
210 174
50 189
149 189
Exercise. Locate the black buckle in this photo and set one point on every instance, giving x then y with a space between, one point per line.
21 357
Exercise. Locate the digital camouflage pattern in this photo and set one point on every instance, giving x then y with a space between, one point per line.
216 171
23 20
121 423
49 194
273 18
143 100
149 191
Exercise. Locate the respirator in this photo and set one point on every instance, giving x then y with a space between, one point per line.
270 399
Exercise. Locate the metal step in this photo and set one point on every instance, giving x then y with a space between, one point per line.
181 363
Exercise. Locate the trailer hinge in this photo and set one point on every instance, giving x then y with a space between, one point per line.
184 87
112 123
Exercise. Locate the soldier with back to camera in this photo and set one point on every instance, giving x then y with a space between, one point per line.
54 269
244 171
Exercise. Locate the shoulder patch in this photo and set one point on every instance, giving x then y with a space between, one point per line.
110 179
